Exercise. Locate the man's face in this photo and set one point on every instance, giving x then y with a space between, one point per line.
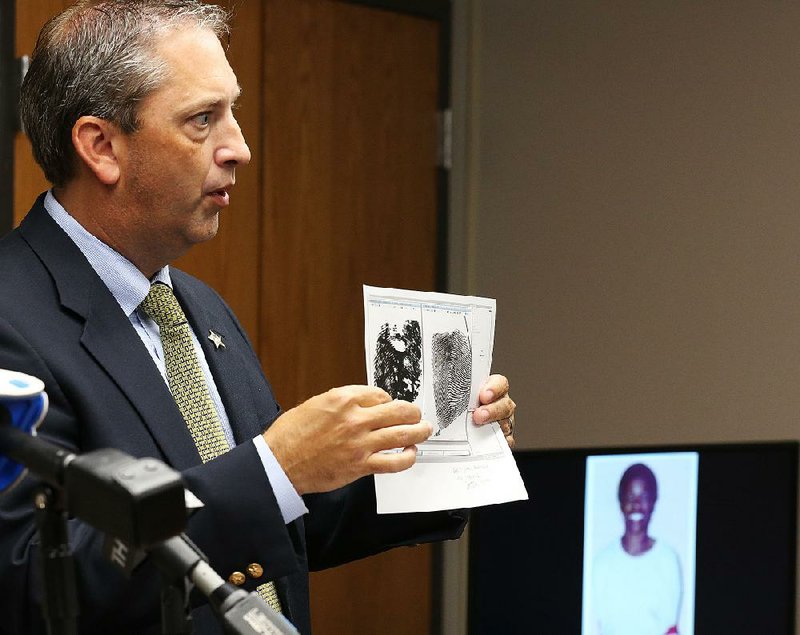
177 168
637 504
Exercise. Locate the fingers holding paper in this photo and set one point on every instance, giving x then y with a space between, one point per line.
496 405
339 436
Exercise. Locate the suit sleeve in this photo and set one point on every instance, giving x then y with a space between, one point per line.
343 525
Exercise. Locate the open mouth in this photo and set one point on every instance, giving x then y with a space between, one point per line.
636 516
220 197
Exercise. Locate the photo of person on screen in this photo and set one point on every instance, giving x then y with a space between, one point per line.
637 579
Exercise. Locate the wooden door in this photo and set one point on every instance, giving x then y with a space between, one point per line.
28 178
349 199
339 109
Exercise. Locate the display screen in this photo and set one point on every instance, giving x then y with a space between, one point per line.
680 540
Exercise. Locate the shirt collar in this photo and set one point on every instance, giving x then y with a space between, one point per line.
127 284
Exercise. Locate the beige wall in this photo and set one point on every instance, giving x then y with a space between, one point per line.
626 183
635 196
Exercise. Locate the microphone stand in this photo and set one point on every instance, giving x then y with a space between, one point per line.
139 501
60 599
141 504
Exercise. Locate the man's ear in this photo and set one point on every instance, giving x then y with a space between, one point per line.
96 143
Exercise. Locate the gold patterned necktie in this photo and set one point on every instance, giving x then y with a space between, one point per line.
189 389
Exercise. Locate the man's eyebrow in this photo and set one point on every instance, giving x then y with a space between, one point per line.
212 102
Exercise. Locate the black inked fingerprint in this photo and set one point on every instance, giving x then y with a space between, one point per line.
452 375
397 360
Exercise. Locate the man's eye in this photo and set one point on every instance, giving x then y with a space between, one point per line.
202 119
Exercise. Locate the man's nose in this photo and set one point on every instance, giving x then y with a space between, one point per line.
638 505
234 150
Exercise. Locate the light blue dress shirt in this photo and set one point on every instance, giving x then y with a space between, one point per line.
129 286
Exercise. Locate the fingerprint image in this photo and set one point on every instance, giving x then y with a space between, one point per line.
452 374
397 360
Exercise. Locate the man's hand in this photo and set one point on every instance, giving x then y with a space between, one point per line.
496 405
337 437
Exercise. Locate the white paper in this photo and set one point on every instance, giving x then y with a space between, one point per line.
435 350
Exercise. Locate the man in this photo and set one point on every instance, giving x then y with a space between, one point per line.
128 104
637 579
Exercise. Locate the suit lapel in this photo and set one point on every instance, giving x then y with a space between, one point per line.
111 340
109 337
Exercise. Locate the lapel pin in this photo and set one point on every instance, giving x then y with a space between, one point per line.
216 339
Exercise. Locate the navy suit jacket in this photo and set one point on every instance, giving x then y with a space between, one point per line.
59 322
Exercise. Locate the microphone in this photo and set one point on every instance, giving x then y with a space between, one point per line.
240 612
23 405
138 501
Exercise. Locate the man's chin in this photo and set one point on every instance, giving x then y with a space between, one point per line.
205 229
208 234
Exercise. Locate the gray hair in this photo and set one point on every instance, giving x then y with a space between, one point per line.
98 58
